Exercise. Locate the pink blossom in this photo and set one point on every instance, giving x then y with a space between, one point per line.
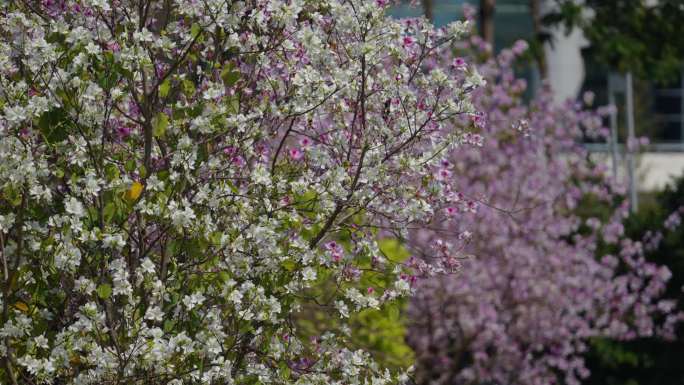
519 47
443 174
238 161
305 142
296 154
539 286
113 46
451 211
458 63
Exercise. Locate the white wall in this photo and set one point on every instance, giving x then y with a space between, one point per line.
654 169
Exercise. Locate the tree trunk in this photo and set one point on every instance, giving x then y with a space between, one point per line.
487 20
538 48
427 8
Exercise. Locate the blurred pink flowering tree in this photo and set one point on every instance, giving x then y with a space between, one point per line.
176 178
551 267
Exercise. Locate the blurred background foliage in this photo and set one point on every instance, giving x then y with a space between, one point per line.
645 37
649 361
642 36
380 331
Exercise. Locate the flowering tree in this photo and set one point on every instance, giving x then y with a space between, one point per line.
650 361
179 177
536 291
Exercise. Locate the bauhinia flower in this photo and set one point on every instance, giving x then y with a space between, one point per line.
179 179
552 267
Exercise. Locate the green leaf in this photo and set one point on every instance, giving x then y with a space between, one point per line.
289 265
188 87
195 30
56 38
108 58
196 248
159 124
234 104
173 247
12 195
284 371
104 291
393 249
168 325
52 125
164 88
229 75
129 165
112 172
108 80
109 211
223 276
142 171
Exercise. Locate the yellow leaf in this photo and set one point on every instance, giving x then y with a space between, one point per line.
134 192
21 306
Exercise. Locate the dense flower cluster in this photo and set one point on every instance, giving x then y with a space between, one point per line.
551 269
177 177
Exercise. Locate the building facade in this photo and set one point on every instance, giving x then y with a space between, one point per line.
659 108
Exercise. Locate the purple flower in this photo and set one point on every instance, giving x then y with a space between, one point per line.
295 154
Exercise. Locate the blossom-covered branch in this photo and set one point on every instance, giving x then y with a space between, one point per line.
178 176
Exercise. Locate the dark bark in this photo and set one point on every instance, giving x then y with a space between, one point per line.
487 20
428 6
537 27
